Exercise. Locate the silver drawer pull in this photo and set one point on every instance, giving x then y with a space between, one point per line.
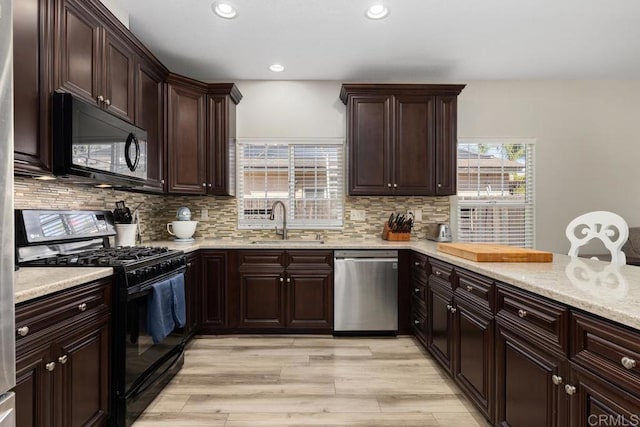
50 366
469 288
281 279
569 389
556 379
628 362
416 322
453 309
100 98
416 290
288 279
23 331
416 263
82 307
437 273
107 102
522 314
62 359
449 306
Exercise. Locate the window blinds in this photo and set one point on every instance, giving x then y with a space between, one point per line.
306 175
496 191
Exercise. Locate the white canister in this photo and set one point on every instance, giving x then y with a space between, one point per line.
126 234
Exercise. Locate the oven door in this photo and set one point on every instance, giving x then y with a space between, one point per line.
145 361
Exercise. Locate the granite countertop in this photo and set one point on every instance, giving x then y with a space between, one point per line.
34 282
596 287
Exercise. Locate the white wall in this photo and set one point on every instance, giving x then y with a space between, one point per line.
587 132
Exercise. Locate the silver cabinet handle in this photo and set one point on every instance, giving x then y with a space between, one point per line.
189 264
437 273
416 322
281 280
288 279
23 331
439 185
389 185
210 185
100 98
50 366
569 389
395 185
107 102
628 362
204 184
62 359
556 379
449 307
82 307
453 309
416 290
162 181
416 263
470 288
522 313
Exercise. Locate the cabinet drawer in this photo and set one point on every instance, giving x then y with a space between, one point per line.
476 288
441 270
310 259
261 259
419 325
418 293
419 266
73 305
608 349
538 319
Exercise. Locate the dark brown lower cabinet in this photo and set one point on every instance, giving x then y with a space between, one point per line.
214 295
285 290
192 279
527 395
62 358
474 342
595 401
440 322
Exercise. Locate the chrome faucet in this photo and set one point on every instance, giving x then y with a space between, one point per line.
284 218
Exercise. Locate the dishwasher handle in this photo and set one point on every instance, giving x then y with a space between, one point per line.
368 259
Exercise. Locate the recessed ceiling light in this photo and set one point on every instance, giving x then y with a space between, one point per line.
103 186
224 10
45 178
377 11
276 68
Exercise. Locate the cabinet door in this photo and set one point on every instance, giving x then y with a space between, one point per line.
262 300
213 301
118 77
310 299
34 395
440 324
149 115
446 145
32 57
186 143
525 393
79 49
193 294
83 361
597 402
474 357
221 125
414 150
369 131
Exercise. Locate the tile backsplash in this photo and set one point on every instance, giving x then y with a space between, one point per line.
221 221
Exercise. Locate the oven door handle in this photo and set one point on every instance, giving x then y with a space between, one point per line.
145 288
146 381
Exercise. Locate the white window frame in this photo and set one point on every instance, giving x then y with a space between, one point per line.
337 224
459 203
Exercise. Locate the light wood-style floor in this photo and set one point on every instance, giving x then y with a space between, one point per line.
286 381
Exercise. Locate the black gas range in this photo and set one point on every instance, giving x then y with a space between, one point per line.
141 364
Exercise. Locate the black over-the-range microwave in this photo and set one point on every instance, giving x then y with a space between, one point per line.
96 146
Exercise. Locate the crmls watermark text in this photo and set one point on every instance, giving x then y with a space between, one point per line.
603 420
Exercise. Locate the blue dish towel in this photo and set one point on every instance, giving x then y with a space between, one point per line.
179 305
160 318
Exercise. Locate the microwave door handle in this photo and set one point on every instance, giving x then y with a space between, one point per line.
132 139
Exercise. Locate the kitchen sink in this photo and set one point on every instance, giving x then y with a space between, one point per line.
287 242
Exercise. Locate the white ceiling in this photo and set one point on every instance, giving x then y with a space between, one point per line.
421 40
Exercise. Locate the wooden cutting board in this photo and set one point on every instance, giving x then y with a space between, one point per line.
488 252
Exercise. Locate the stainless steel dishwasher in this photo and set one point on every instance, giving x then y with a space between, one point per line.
366 291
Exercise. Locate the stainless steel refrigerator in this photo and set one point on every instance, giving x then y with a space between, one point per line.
7 315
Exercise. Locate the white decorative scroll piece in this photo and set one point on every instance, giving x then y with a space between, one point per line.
609 227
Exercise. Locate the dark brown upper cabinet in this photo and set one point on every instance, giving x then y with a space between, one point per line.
32 60
401 139
94 62
149 115
201 136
